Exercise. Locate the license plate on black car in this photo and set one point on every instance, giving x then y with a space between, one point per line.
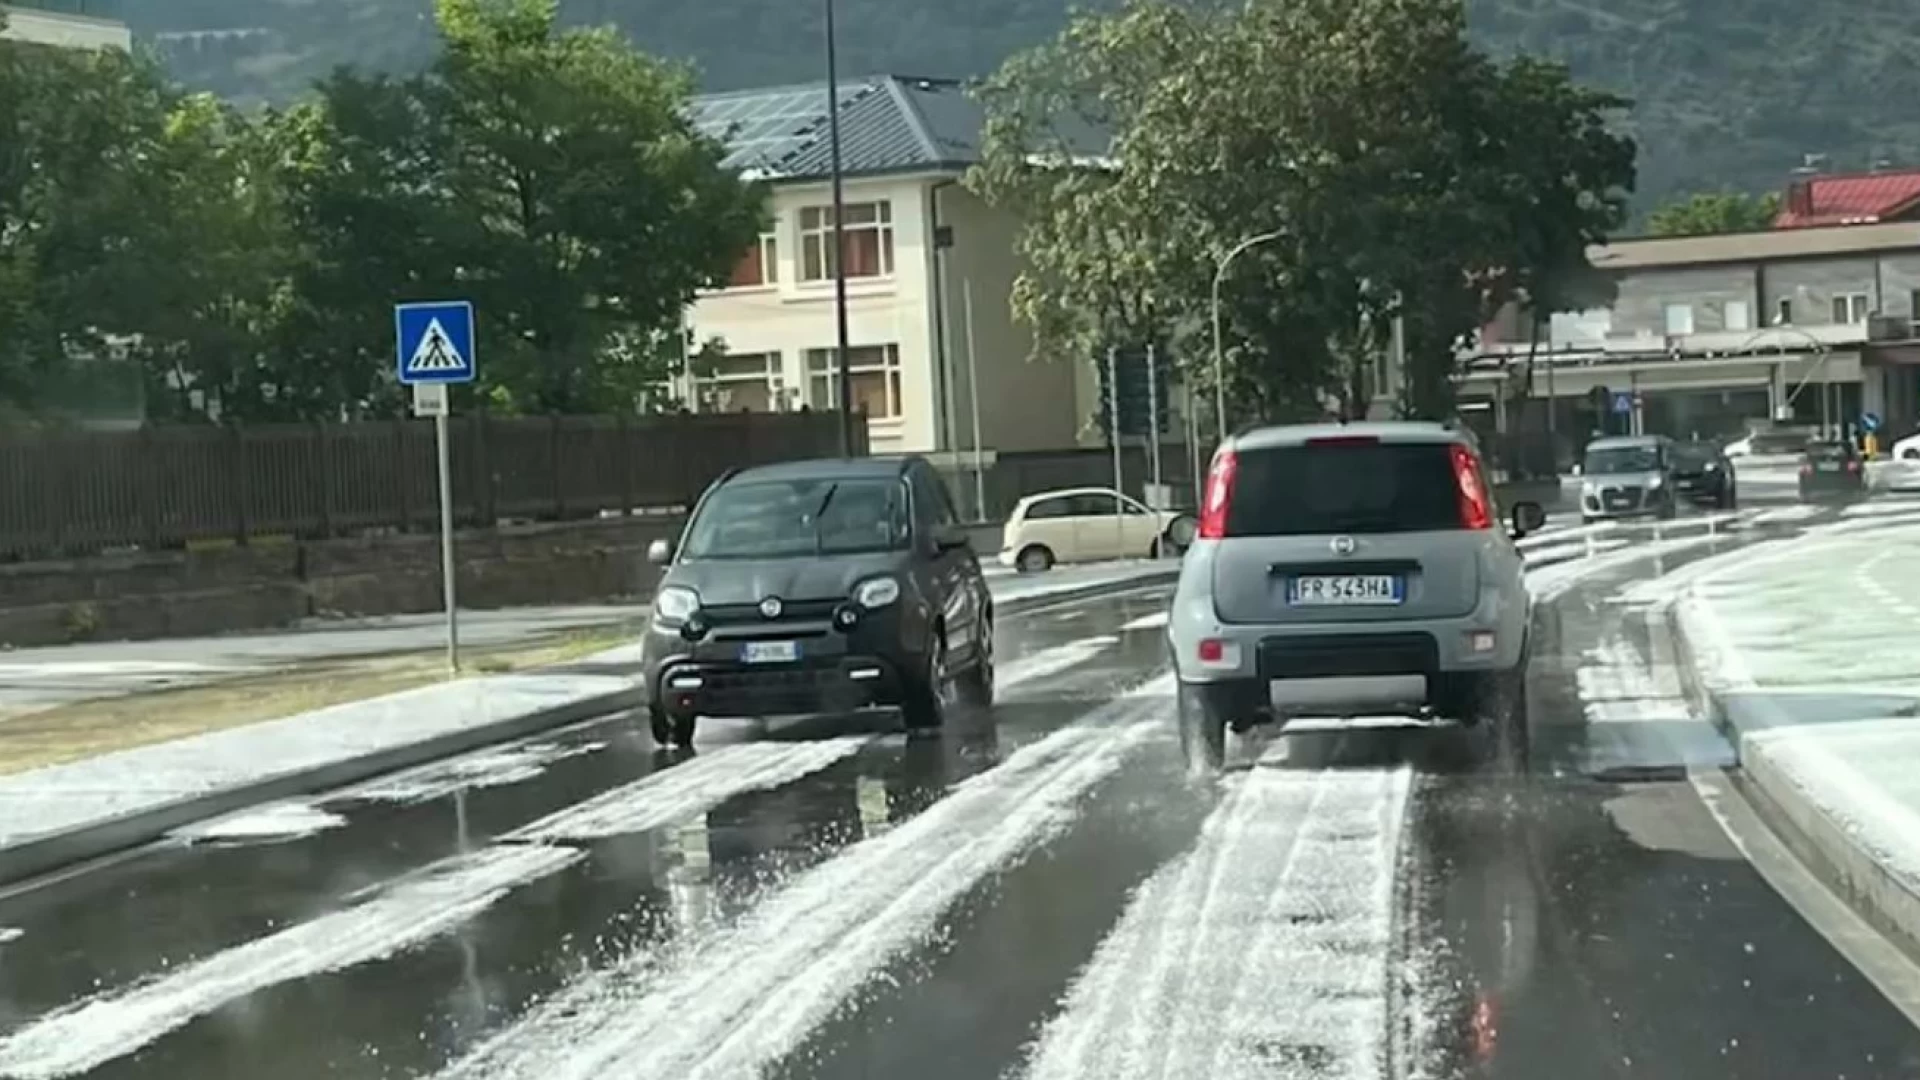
769 652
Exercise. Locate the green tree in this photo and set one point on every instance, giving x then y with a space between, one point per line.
1404 173
549 176
1706 212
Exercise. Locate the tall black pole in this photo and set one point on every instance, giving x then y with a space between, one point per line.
839 245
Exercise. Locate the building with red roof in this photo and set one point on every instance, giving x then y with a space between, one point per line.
1851 199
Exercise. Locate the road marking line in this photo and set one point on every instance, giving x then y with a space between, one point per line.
1266 947
1151 621
97 1030
676 794
726 1007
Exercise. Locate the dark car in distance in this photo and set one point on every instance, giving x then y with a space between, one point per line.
1832 469
810 587
1703 474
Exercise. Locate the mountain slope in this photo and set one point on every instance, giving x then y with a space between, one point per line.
1728 94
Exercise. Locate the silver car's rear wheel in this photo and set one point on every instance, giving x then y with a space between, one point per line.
1203 733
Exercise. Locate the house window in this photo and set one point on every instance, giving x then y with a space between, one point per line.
1679 319
875 382
866 240
1783 312
1850 308
1735 316
743 382
759 265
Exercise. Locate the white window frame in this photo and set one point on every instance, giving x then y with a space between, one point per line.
823 376
713 391
1728 310
769 247
1678 319
1855 307
816 238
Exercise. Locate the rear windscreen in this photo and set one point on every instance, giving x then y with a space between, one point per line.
1828 451
1366 488
1693 456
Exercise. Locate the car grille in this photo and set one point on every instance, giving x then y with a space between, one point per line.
749 691
1346 655
1620 497
792 611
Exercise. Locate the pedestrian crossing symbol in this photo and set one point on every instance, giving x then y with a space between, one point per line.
435 342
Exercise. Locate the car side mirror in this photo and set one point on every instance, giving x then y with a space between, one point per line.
1576 468
1527 517
660 552
950 538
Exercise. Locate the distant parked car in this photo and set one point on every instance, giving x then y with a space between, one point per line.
1089 524
1832 469
1704 475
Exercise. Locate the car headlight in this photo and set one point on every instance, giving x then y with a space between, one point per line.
1590 488
876 593
675 603
1656 483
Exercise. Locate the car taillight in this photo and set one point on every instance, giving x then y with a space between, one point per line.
1806 468
1476 508
1853 466
1213 510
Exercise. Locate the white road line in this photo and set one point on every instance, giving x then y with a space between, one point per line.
97 1030
676 794
1262 952
1153 620
727 1007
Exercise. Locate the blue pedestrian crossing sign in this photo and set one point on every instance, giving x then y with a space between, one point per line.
1869 422
1622 402
434 342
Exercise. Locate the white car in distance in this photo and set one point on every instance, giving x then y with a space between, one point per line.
1089 525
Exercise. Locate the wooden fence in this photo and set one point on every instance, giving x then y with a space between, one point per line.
83 492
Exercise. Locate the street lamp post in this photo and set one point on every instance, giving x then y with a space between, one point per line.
1219 351
844 362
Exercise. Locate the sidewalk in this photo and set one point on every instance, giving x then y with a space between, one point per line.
1805 654
149 784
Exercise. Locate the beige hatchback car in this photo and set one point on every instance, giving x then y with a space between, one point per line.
1089 525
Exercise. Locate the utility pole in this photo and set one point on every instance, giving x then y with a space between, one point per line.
845 364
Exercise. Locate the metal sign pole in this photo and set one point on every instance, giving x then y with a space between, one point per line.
1113 436
447 576
1153 417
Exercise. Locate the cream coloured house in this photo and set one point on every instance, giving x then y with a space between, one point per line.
77 24
938 364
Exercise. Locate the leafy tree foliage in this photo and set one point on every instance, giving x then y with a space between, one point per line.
1386 167
248 265
1706 212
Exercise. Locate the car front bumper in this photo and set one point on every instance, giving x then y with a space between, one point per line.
835 672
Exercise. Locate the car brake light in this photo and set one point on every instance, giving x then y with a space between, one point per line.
1853 466
1345 440
1476 511
1213 510
1806 468
1211 650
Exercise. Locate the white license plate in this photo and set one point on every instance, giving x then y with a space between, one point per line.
1347 590
769 652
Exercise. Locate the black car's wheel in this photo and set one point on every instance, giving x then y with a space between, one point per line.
1203 732
925 704
976 686
1729 498
1034 558
668 730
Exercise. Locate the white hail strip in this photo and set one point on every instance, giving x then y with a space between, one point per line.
1150 621
1619 686
1262 952
8 933
97 1030
275 821
1549 582
682 792
736 1003
497 767
1047 663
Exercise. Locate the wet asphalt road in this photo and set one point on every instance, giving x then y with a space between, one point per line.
1038 892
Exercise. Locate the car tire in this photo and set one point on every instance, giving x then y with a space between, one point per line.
1508 722
1668 509
1034 559
669 731
975 688
925 704
1203 732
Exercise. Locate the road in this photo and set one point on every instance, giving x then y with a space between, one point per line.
1039 892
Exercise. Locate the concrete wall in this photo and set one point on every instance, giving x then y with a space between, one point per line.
276 585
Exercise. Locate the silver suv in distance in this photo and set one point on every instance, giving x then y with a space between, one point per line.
1346 570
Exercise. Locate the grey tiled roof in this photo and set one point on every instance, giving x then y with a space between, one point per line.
888 123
